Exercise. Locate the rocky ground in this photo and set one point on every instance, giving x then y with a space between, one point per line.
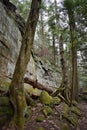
36 120
54 122
82 123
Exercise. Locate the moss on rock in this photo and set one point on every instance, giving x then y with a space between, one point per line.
66 108
47 111
40 128
72 119
64 126
5 107
70 114
40 118
4 101
32 91
56 100
76 110
4 85
45 98
6 111
75 103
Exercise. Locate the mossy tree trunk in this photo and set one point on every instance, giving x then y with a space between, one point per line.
65 83
70 6
17 95
74 82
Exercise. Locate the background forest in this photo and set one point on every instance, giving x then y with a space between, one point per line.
66 20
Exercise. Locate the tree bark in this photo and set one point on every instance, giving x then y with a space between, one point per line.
17 95
54 49
65 84
74 81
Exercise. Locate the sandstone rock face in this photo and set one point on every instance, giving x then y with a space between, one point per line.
10 42
11 30
47 74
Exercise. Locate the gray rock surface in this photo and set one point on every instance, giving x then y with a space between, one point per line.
11 25
10 42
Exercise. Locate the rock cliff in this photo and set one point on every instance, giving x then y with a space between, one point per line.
11 31
10 42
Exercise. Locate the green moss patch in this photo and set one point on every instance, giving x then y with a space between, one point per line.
56 100
33 91
64 126
72 119
4 101
40 128
47 111
40 118
5 107
76 110
27 112
45 98
4 85
70 114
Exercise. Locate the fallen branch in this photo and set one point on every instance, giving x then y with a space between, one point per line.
38 85
35 84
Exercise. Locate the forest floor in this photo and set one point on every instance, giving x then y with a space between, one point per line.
54 122
82 122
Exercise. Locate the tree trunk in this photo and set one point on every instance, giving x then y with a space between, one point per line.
74 85
54 50
17 95
65 84
74 82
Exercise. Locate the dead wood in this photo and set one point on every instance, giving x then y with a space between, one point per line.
38 85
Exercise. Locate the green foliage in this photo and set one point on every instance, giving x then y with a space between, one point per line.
69 4
53 18
23 7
